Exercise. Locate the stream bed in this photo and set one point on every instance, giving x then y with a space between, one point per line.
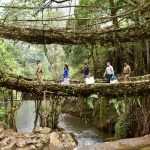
85 133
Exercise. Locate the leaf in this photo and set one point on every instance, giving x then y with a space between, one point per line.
90 103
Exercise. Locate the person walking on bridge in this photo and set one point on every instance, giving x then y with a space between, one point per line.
109 72
38 72
126 71
66 75
86 70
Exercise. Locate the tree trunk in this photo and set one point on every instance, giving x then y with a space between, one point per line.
94 61
12 115
148 55
118 50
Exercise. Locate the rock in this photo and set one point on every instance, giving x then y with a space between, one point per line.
8 139
61 141
3 143
39 145
46 140
37 129
123 144
46 148
31 147
1 130
21 143
45 130
31 141
145 148
10 146
40 136
43 137
2 135
27 135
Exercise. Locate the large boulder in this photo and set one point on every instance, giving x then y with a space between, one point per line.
44 140
61 140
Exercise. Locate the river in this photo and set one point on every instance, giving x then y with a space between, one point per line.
84 132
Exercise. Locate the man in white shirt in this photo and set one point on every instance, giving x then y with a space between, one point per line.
109 72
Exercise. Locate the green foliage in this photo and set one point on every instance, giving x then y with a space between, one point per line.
8 57
2 114
83 109
76 54
55 56
91 100
119 106
90 103
123 127
20 57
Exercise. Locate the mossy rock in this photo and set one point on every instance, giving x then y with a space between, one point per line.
74 137
110 139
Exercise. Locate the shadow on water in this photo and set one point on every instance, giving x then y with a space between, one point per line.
85 133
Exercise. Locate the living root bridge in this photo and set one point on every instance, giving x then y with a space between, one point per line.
102 89
66 36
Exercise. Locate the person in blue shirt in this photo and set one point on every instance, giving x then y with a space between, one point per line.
66 71
65 80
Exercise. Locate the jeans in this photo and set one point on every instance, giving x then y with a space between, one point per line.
108 77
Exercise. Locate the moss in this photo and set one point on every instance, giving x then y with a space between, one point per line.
110 139
74 138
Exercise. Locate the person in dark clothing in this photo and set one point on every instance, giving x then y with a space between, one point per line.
86 70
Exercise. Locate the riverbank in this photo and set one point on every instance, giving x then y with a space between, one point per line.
40 139
47 139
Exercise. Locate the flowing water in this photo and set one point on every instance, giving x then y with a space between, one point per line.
85 133
25 117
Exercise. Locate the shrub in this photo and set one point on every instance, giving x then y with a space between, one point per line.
123 127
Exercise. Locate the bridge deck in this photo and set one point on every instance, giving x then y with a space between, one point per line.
130 88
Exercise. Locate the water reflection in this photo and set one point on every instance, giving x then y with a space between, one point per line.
25 117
